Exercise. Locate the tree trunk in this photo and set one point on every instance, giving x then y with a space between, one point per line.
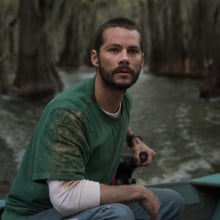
210 87
36 73
211 84
8 10
168 53
70 56
4 85
78 33
181 36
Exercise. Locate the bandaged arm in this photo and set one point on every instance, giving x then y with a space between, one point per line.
70 197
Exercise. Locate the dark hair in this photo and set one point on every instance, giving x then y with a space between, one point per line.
115 22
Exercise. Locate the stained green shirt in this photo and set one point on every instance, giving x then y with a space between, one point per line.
73 140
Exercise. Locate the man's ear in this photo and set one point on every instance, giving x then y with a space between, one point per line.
94 58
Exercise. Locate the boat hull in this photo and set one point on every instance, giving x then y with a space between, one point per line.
202 202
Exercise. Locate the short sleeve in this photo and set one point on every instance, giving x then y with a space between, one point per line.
60 146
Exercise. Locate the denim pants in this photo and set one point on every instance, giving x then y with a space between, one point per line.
172 206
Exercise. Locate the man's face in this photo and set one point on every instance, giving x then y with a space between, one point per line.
120 58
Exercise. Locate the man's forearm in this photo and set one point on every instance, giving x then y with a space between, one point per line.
121 193
131 193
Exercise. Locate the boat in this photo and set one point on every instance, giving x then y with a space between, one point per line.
2 205
201 196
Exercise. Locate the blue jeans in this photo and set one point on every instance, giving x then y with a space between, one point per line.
172 206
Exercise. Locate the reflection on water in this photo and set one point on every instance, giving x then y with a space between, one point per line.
183 129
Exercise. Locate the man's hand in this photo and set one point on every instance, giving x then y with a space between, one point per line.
151 204
139 147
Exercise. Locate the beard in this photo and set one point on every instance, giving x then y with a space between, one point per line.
108 77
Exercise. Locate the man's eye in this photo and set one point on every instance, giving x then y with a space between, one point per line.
133 51
114 50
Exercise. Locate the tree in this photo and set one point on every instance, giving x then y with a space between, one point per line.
77 32
36 73
181 35
211 46
180 38
8 11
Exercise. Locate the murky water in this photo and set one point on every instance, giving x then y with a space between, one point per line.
167 112
182 128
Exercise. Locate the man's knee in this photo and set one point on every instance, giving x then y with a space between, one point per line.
112 211
177 199
172 204
175 206
119 211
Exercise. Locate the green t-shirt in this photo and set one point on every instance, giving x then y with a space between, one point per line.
73 140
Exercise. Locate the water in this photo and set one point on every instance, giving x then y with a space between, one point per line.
182 128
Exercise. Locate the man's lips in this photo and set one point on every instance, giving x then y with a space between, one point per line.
122 70
125 71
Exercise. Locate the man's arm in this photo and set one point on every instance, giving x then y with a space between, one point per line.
131 193
70 197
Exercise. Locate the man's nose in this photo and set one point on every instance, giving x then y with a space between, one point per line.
124 56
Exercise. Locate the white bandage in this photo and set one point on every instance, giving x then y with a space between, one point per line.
70 197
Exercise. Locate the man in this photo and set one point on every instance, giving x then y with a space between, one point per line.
75 150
